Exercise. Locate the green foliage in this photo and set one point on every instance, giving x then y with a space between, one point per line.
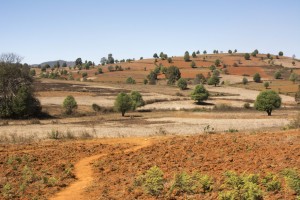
203 182
78 61
84 74
137 100
172 74
153 181
100 71
130 80
170 60
152 77
194 55
242 187
199 79
293 77
277 75
212 68
216 73
266 84
32 72
257 77
230 51
123 103
182 83
200 93
245 80
193 64
214 80
155 55
69 105
271 182
217 62
247 56
292 178
280 53
182 183
186 56
145 81
267 101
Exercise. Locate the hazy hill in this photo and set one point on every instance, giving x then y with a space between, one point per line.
52 63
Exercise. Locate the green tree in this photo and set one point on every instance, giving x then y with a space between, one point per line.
277 75
267 101
152 77
32 72
204 52
69 105
229 51
245 80
172 74
170 60
130 80
247 56
217 62
155 55
216 73
193 64
137 100
110 59
182 83
154 181
186 56
268 56
78 62
123 103
198 52
266 84
257 77
200 93
194 55
100 71
212 68
235 51
293 77
280 53
214 80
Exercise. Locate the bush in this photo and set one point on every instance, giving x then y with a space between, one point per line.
100 71
217 62
199 79
194 55
152 77
212 68
96 107
266 85
186 56
247 105
32 72
277 75
145 81
247 56
214 80
182 183
193 64
123 103
271 182
292 178
69 105
245 80
257 78
235 64
130 80
204 182
137 100
170 60
172 74
293 77
84 74
153 181
182 83
200 94
267 101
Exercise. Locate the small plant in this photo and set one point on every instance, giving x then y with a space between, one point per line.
96 107
145 81
208 129
247 105
193 64
257 78
182 183
271 182
69 105
55 134
153 181
52 181
182 84
266 85
204 182
247 56
245 81
130 80
292 178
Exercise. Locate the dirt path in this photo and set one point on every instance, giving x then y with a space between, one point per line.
84 172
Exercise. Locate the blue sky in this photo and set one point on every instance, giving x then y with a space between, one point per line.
44 30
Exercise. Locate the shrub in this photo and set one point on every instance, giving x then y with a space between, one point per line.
100 71
199 79
212 68
186 56
277 75
152 77
193 64
293 77
69 105
200 93
137 100
230 51
214 80
271 182
170 60
235 64
96 107
194 55
204 182
294 63
110 68
245 80
280 53
130 80
84 74
216 73
247 56
32 72
266 84
182 183
267 101
292 178
247 105
154 181
182 83
257 77
145 81
123 103
172 74
217 62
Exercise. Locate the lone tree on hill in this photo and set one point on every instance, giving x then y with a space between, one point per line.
123 103
172 74
16 89
200 94
257 78
155 55
69 105
280 53
78 62
267 101
204 52
229 51
247 56
186 56
198 52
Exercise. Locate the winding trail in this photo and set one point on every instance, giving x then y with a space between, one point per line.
84 172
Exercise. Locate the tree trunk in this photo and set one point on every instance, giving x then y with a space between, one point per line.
269 112
123 113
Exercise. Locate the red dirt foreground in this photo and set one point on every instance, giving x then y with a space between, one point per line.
213 155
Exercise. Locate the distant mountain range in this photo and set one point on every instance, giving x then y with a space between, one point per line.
52 63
